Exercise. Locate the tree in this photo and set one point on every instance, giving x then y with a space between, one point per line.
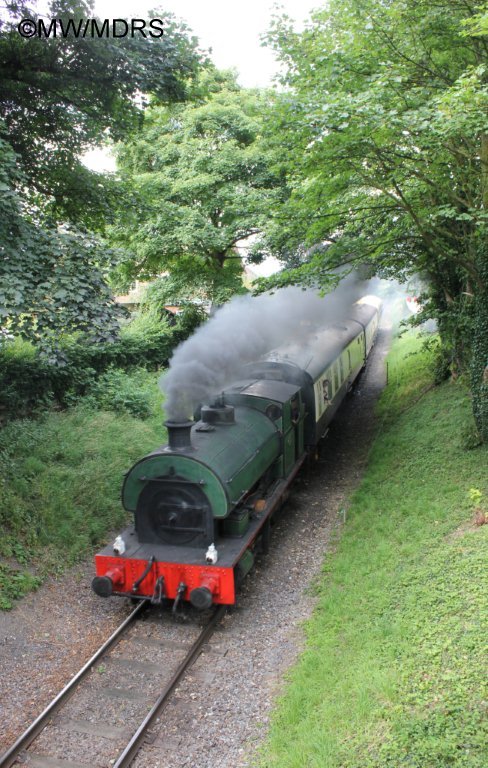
52 282
57 97
180 287
386 127
62 95
203 182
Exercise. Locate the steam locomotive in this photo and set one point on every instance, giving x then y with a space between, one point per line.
203 503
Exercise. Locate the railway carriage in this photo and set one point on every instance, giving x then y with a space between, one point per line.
202 503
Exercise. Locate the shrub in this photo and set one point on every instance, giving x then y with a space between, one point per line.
29 383
115 391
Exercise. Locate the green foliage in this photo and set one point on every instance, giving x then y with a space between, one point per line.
373 155
115 391
200 180
14 584
60 480
475 496
394 670
191 317
52 279
29 382
442 365
53 284
470 437
61 95
477 25
216 284
385 124
479 361
411 371
147 322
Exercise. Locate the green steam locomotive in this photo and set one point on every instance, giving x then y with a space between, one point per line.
203 504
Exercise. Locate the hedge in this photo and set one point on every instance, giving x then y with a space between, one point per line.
28 382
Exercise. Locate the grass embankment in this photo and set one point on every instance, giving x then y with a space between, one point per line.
394 672
61 475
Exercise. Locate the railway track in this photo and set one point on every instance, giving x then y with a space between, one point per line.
102 716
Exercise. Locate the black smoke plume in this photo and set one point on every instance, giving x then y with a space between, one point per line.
242 331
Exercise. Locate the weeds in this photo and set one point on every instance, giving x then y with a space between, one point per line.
116 391
14 583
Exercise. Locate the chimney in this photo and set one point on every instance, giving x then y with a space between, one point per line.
179 438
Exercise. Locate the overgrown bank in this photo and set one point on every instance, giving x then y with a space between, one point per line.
61 474
394 673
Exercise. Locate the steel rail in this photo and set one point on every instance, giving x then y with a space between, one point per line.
135 743
9 757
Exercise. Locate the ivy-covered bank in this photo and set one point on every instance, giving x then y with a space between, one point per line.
394 674
479 364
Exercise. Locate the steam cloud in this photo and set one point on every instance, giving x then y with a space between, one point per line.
242 331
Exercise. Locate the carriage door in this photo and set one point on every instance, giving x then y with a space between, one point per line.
298 419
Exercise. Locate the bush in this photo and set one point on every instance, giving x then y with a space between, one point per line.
29 383
115 391
442 365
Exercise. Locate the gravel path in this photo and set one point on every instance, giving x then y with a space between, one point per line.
220 712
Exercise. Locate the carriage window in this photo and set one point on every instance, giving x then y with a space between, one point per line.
326 391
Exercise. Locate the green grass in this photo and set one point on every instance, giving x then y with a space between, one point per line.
60 481
394 672
410 373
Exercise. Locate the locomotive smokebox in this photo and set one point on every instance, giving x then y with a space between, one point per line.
179 438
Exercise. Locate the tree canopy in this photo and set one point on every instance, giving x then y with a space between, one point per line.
62 95
385 123
58 96
201 180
